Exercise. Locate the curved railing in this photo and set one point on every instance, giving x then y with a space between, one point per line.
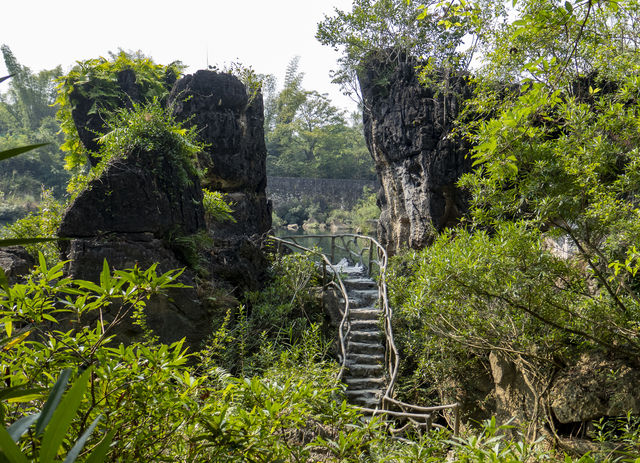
347 245
342 333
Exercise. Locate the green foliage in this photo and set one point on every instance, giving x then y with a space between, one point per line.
275 318
43 223
366 212
307 136
148 128
154 406
248 76
216 209
299 211
27 118
396 30
52 425
73 322
543 269
97 79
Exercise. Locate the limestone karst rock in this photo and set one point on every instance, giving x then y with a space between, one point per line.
132 213
407 127
230 123
128 216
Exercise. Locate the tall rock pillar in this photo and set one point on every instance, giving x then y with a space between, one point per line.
407 128
230 123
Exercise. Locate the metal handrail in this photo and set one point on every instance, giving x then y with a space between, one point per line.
392 357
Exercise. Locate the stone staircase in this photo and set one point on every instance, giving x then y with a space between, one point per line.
365 347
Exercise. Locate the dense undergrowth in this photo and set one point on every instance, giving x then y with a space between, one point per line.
156 402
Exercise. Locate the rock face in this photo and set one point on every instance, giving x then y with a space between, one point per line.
89 122
127 216
16 262
134 211
407 127
594 387
136 194
231 124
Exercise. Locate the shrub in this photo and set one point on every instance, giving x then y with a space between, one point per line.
153 80
216 209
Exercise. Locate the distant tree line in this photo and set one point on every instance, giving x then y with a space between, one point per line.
27 117
307 136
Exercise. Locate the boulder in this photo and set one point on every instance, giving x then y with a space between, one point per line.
171 317
139 193
131 215
515 397
230 123
596 386
16 262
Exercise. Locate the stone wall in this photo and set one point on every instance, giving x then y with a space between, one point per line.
334 193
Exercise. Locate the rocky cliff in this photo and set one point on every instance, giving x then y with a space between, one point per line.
138 209
230 123
407 127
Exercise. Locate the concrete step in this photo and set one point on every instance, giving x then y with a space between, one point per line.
374 393
363 297
367 359
360 283
368 402
366 313
365 325
365 336
372 382
371 348
360 370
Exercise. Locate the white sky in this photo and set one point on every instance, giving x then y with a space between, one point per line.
265 34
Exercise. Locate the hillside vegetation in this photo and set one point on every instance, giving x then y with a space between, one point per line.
555 125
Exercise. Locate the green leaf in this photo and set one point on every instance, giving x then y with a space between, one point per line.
53 400
79 445
23 241
4 283
99 453
16 151
568 6
18 392
9 450
105 276
62 418
17 429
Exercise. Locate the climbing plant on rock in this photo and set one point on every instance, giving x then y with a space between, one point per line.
97 86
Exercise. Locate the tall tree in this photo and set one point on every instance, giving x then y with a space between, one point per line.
307 136
26 117
396 30
30 96
546 269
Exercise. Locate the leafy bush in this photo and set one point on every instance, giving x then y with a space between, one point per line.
153 80
154 406
41 224
216 209
366 212
51 323
273 319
